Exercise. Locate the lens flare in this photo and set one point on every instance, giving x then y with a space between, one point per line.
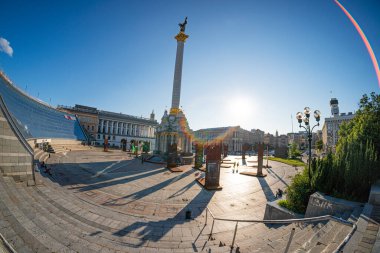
365 40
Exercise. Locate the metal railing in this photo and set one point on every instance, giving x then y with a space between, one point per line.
7 247
287 221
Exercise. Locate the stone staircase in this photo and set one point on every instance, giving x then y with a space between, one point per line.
48 218
40 155
315 237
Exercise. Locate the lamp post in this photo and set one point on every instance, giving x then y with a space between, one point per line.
309 130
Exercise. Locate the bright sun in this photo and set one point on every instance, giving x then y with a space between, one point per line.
238 108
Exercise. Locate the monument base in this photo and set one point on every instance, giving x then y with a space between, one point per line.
202 182
203 168
264 166
253 174
175 169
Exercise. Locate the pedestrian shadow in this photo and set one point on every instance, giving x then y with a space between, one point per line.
155 230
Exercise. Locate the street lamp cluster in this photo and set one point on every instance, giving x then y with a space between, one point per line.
305 117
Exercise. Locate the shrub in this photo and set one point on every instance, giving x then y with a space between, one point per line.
298 192
284 203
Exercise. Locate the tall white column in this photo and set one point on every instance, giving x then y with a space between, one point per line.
106 130
111 127
101 125
181 38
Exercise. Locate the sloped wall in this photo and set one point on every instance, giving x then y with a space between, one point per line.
16 156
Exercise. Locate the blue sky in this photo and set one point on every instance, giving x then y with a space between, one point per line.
247 63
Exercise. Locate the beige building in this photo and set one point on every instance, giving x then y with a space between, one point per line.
299 138
233 136
258 136
330 129
87 116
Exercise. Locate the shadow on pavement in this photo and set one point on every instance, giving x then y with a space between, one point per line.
155 230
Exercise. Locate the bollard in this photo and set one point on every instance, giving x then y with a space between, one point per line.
233 240
212 227
188 214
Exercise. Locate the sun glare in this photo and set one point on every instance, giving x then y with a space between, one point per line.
239 108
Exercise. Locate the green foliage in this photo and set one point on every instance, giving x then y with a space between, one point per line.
284 203
319 145
294 151
366 123
293 162
350 172
298 192
145 147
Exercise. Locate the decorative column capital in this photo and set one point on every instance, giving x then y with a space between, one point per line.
174 111
181 36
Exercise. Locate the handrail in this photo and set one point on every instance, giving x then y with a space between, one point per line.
287 221
311 219
7 245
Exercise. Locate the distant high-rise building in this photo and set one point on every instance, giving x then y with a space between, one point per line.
331 126
334 107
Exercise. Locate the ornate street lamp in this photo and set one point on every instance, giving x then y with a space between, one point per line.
305 117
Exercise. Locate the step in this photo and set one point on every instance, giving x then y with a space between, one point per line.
11 236
133 237
37 239
75 230
53 224
326 237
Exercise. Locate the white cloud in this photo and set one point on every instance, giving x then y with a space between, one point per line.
5 47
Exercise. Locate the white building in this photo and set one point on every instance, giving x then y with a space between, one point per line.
331 126
122 128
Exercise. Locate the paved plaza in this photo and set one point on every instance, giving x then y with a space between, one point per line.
115 180
149 202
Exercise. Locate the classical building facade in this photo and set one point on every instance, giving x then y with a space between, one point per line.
331 125
233 136
120 129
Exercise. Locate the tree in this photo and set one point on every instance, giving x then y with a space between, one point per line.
293 151
366 123
319 145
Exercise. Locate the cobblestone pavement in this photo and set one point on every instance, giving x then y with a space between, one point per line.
152 201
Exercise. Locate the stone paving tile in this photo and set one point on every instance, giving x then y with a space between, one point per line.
159 200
